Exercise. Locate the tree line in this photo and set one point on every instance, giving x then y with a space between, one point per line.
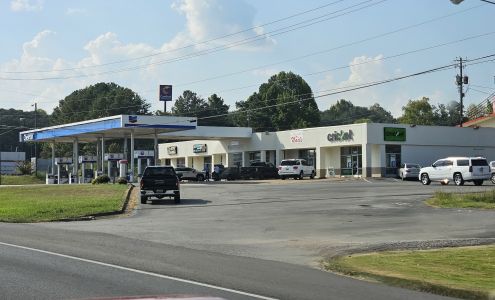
284 102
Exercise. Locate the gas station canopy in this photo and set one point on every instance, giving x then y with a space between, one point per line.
114 127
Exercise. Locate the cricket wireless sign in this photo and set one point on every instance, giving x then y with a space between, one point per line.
341 136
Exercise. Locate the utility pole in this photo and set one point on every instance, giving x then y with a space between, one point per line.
35 143
460 81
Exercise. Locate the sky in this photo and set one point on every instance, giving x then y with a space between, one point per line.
50 48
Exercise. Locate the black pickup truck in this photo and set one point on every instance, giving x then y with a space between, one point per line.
159 182
259 170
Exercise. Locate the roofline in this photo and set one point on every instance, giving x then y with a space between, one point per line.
477 120
72 124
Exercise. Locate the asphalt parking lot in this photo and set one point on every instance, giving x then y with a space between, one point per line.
297 221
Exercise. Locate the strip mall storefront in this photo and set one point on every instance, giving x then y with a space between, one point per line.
368 149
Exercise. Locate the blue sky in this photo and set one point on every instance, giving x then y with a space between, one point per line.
49 35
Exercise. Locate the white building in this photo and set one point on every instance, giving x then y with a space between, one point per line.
367 149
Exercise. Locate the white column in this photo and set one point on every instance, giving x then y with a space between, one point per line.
263 155
131 176
139 166
366 163
76 159
226 163
278 157
102 155
320 167
109 163
243 159
155 148
98 156
126 156
53 157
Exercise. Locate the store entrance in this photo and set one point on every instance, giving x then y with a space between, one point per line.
351 160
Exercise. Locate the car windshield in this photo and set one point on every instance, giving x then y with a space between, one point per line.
159 172
289 163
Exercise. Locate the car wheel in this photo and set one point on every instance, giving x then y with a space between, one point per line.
478 182
458 180
143 199
493 178
177 199
282 177
301 175
312 175
425 179
200 178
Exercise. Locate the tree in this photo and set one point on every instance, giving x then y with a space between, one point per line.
284 102
216 112
189 104
13 121
96 101
419 112
475 111
344 112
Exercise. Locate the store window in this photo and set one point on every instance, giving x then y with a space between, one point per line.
168 162
255 156
351 160
309 155
393 159
237 159
207 163
181 162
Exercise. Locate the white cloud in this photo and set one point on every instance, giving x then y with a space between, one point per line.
207 20
362 70
204 20
75 11
26 5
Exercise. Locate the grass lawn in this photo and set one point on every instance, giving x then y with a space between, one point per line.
474 200
56 202
20 180
466 272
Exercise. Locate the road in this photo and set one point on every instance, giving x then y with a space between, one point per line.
256 238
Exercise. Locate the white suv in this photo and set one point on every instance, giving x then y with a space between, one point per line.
458 169
295 168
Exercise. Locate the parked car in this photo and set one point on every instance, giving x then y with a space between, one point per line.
259 170
231 173
458 169
492 170
185 173
408 170
159 182
295 168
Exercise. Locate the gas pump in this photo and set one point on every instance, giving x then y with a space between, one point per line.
143 154
112 160
87 174
62 164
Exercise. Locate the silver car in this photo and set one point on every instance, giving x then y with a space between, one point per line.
408 170
185 173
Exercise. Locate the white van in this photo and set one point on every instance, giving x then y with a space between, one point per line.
458 169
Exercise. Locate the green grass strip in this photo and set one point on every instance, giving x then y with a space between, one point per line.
485 200
466 272
57 202
21 180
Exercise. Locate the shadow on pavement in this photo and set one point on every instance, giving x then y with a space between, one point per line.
183 202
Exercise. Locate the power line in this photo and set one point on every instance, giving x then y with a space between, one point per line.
276 32
442 68
332 49
187 46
